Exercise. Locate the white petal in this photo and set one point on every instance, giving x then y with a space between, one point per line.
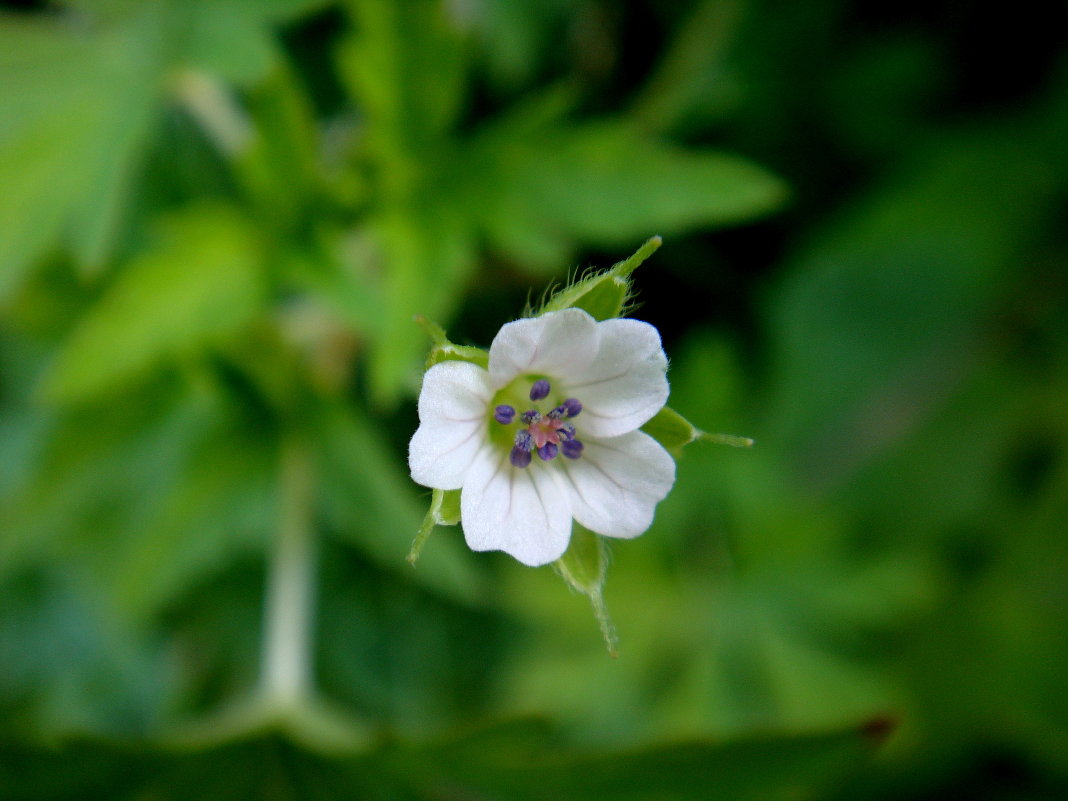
617 483
454 391
453 405
522 511
559 344
440 454
626 384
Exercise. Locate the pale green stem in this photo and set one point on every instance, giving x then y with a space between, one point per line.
214 108
290 601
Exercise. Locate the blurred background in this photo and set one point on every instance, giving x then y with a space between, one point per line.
217 220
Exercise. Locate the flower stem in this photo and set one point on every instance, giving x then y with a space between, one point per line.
209 102
288 609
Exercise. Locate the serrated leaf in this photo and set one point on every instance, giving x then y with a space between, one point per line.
75 108
197 284
405 66
606 184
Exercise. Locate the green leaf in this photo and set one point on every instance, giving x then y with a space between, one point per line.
197 284
75 108
427 253
862 313
234 39
584 566
520 762
605 184
526 763
369 502
405 66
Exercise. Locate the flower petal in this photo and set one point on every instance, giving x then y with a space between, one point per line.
440 454
521 511
454 391
617 483
560 344
453 406
626 384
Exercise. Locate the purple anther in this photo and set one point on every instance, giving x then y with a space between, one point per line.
547 452
572 407
524 440
556 414
530 416
566 432
503 414
572 448
519 457
539 390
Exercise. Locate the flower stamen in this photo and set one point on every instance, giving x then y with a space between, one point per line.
519 457
540 390
548 433
571 448
548 451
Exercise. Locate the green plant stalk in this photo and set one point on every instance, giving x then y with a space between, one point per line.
213 107
286 677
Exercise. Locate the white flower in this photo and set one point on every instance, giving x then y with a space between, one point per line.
570 391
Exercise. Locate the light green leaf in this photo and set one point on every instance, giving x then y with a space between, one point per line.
234 39
75 108
405 66
427 253
197 284
606 184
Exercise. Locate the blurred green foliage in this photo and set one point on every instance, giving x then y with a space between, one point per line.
217 221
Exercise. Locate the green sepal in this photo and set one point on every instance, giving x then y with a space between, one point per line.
603 295
442 350
675 432
444 511
584 566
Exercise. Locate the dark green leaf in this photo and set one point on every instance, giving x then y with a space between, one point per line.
519 762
